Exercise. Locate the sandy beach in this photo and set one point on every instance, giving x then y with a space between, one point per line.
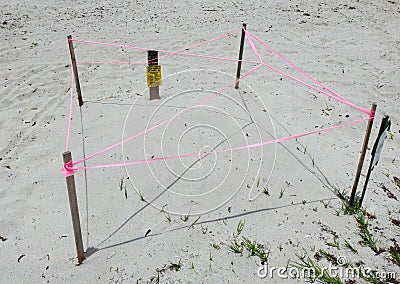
200 194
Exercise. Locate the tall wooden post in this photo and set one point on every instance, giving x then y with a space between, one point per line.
239 67
73 204
75 70
152 59
363 152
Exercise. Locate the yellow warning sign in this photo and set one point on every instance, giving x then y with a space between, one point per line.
153 75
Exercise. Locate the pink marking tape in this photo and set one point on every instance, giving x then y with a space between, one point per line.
69 169
332 94
366 111
171 53
160 50
294 66
253 46
165 121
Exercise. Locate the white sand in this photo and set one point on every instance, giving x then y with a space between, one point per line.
351 46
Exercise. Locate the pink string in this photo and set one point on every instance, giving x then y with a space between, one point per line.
160 50
112 62
294 66
252 45
70 109
366 111
70 170
172 53
166 121
332 95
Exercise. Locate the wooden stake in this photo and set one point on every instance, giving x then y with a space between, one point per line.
75 70
152 59
73 204
363 151
239 67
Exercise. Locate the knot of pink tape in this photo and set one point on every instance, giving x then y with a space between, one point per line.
69 169
372 113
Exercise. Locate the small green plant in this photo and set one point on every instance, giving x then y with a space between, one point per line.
204 229
211 257
338 211
349 246
266 191
281 193
216 246
235 246
326 204
329 257
239 229
142 198
361 221
368 240
185 218
255 249
335 243
168 217
313 162
341 193
366 236
352 209
192 265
